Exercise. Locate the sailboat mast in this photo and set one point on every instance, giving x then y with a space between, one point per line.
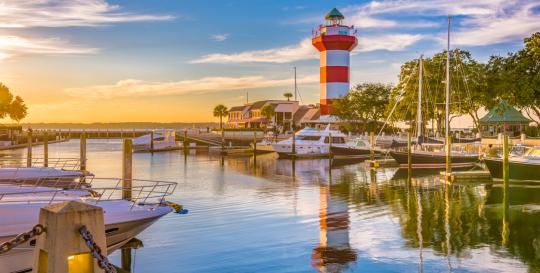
295 88
447 104
419 110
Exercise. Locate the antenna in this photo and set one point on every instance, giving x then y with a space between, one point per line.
247 97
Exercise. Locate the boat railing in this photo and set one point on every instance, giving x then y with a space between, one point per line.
57 163
143 192
42 179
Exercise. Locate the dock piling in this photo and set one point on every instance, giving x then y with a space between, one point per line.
152 141
29 148
371 146
255 143
506 152
83 151
45 149
62 249
127 168
293 154
409 155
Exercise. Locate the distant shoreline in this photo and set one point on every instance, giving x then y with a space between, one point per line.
119 125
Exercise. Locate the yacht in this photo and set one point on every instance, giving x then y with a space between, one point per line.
124 219
310 142
354 147
524 165
164 140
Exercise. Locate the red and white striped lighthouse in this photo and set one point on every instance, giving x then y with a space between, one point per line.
335 42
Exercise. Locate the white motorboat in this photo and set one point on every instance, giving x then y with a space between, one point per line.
124 219
311 142
164 140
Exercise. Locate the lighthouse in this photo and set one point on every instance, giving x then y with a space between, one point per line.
334 41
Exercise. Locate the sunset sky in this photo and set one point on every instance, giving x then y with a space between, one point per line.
174 60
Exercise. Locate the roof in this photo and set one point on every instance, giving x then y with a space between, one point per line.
258 105
334 14
503 112
237 108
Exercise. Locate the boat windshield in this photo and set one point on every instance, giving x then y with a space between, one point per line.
309 138
335 140
356 143
533 152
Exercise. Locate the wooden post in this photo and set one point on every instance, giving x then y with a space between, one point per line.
506 152
448 158
185 140
45 149
371 146
330 146
152 141
409 152
293 154
254 143
222 140
29 148
127 168
61 249
83 151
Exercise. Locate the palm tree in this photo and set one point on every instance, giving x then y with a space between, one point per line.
268 112
220 111
288 95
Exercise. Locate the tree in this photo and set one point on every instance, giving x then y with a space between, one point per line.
365 102
268 112
17 109
220 111
6 98
288 95
516 77
468 89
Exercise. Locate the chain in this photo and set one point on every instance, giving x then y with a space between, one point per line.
103 262
21 238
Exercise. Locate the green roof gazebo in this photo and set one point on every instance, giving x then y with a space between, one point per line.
503 118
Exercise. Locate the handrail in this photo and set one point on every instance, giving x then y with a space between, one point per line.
58 163
150 192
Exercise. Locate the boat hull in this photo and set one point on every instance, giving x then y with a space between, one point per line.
432 161
518 171
20 259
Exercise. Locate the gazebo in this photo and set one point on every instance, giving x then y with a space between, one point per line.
503 118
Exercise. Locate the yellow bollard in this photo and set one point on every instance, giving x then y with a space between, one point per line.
61 249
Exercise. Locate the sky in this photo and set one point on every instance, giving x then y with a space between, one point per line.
174 60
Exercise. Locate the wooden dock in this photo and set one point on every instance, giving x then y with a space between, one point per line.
469 176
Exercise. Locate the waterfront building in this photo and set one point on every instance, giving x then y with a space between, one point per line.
250 116
503 118
334 41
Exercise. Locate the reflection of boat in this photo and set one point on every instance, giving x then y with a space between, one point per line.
164 140
403 173
124 219
523 167
434 160
310 142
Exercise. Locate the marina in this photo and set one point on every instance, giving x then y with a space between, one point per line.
159 136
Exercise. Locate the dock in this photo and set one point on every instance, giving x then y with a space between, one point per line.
469 176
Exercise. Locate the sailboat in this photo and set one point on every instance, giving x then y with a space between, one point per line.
436 159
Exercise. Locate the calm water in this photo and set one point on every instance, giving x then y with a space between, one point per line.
278 218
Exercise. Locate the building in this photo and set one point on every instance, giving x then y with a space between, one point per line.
503 118
334 41
250 115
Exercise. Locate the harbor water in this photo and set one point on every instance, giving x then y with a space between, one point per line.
270 215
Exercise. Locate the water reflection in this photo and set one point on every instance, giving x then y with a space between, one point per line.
273 215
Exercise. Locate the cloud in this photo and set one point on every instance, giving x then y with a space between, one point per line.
138 88
219 37
14 45
479 22
59 13
390 42
305 50
301 51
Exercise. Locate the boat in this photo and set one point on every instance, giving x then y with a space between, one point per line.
265 145
431 158
124 219
310 142
163 140
353 147
523 163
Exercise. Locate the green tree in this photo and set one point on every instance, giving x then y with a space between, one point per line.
365 102
468 88
220 111
288 95
516 77
6 98
268 112
18 109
